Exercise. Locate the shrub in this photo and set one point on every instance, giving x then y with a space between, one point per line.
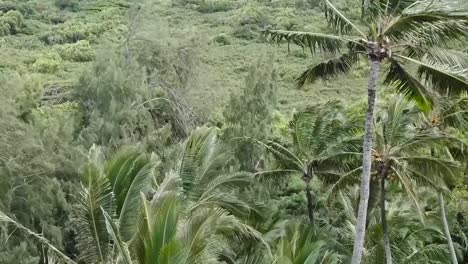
212 6
251 14
80 51
72 5
222 39
72 32
7 6
48 63
286 19
11 23
247 32
28 95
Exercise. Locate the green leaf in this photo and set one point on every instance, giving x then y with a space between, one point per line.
95 193
338 21
128 218
427 29
314 41
444 79
328 69
408 85
122 247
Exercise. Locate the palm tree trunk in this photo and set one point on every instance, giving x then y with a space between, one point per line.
443 216
310 206
366 164
383 217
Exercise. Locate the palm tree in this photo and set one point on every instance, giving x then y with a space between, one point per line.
411 243
324 144
400 154
399 37
448 114
113 187
298 242
191 215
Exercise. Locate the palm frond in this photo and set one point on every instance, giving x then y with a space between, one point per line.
222 191
95 193
122 170
313 41
409 189
338 21
38 238
436 171
387 7
205 233
202 157
157 229
436 253
442 78
455 112
316 127
276 173
129 212
121 246
328 68
282 154
408 85
429 29
130 172
451 58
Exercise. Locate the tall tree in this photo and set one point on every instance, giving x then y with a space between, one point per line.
325 144
396 36
249 114
447 115
400 154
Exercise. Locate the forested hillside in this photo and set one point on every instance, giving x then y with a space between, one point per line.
233 131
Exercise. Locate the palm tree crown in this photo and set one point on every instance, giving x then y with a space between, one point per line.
405 36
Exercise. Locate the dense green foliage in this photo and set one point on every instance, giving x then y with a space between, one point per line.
171 131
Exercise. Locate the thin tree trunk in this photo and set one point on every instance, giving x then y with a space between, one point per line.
443 216
383 216
310 206
366 165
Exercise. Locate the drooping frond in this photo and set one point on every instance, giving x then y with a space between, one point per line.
202 158
328 68
408 85
454 112
222 192
432 171
156 241
207 231
205 179
428 29
313 41
409 188
387 7
130 173
298 242
338 22
285 156
451 58
131 206
120 245
38 238
436 253
122 170
444 79
95 193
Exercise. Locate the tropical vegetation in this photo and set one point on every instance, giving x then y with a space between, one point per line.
183 131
